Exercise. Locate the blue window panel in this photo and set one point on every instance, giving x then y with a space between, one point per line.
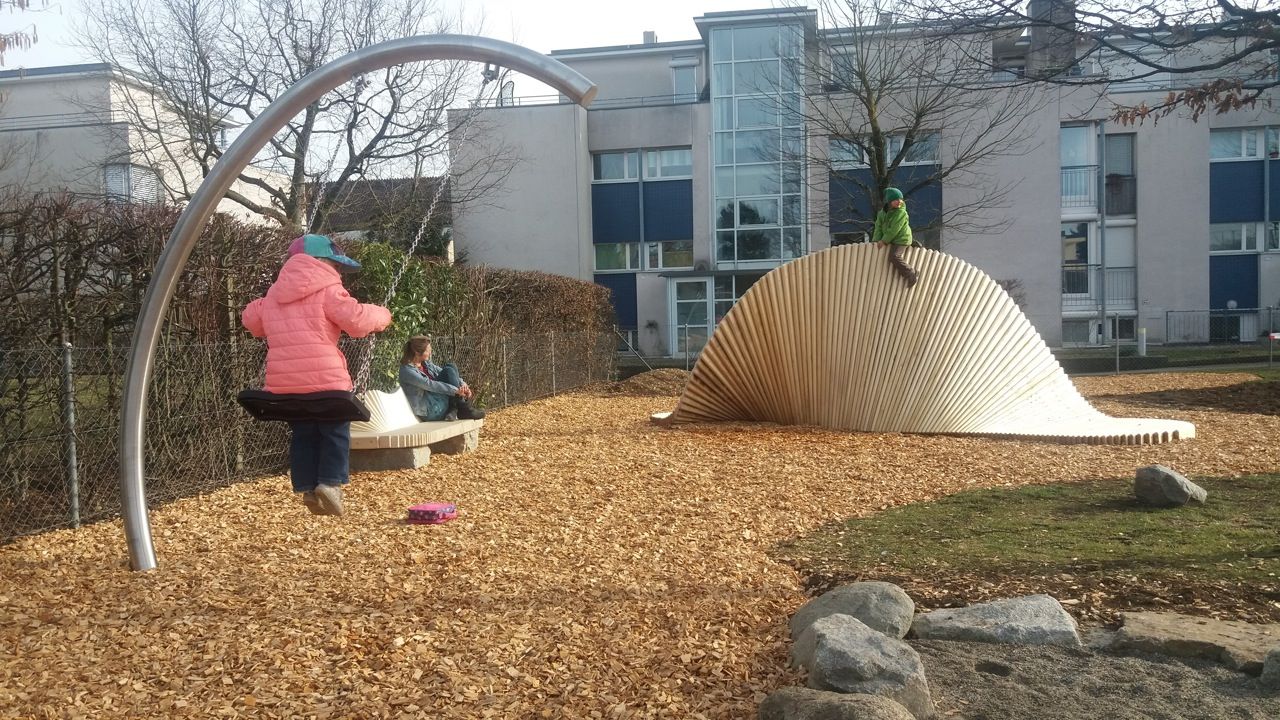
622 293
853 211
615 213
668 210
1235 192
1274 166
1233 277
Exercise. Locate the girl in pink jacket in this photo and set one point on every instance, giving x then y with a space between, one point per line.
302 316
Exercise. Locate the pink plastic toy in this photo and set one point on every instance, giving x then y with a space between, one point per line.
432 513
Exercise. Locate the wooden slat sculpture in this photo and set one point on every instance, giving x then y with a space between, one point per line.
835 339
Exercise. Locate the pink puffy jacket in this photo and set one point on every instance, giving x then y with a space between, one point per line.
301 317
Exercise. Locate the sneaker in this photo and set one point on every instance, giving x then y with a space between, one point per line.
312 502
330 499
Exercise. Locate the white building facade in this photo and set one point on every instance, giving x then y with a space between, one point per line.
76 129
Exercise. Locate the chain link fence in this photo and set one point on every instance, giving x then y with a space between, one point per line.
1193 338
60 415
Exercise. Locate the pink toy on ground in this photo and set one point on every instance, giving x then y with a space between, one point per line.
432 513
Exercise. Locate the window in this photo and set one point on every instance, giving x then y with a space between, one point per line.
668 164
757 181
617 256
1233 237
1119 149
1075 148
1234 144
1075 259
131 183
1076 332
1124 328
928 237
844 152
684 80
849 238
730 289
1120 185
923 151
615 166
1008 69
669 255
1273 237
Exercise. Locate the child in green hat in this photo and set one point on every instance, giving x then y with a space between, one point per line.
893 228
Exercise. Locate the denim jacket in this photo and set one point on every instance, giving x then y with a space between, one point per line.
428 398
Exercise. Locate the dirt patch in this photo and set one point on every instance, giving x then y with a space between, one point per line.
660 382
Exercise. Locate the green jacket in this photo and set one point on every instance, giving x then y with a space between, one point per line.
893 227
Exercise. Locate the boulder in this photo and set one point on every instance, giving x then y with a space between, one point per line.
842 654
1031 620
1270 677
1239 645
1160 486
880 606
795 703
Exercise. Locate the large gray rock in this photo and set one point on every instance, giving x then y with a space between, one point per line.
1031 620
1270 677
879 605
841 653
1238 645
795 703
1161 486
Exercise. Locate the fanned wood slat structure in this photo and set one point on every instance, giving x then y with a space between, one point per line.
835 339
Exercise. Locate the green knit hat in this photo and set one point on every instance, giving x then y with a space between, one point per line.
891 194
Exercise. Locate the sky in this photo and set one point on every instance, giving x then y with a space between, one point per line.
542 25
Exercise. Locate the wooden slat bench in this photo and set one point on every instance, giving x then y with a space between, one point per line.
393 439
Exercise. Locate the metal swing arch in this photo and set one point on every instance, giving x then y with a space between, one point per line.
186 231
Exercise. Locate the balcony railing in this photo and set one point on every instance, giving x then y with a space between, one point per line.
1082 287
601 104
1080 186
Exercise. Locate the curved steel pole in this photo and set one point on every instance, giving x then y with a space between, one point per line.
182 240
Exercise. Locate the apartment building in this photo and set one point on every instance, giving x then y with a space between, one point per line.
700 167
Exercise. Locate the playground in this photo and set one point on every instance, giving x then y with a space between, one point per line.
600 566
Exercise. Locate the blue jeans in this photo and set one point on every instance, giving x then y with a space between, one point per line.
319 454
441 404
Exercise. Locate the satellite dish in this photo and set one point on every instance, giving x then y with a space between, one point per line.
506 96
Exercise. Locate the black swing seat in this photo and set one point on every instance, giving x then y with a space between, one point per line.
325 406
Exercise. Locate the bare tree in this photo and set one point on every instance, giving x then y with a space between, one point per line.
897 108
21 38
199 68
1209 55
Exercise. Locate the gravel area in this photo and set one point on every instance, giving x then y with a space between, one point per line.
600 567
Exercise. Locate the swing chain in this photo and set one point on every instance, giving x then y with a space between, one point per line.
366 365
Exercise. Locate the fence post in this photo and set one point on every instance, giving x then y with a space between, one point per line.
1115 337
686 344
553 363
505 372
69 421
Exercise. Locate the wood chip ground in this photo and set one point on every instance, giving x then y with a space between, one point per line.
601 567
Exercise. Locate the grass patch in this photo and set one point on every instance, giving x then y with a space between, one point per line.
1089 543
